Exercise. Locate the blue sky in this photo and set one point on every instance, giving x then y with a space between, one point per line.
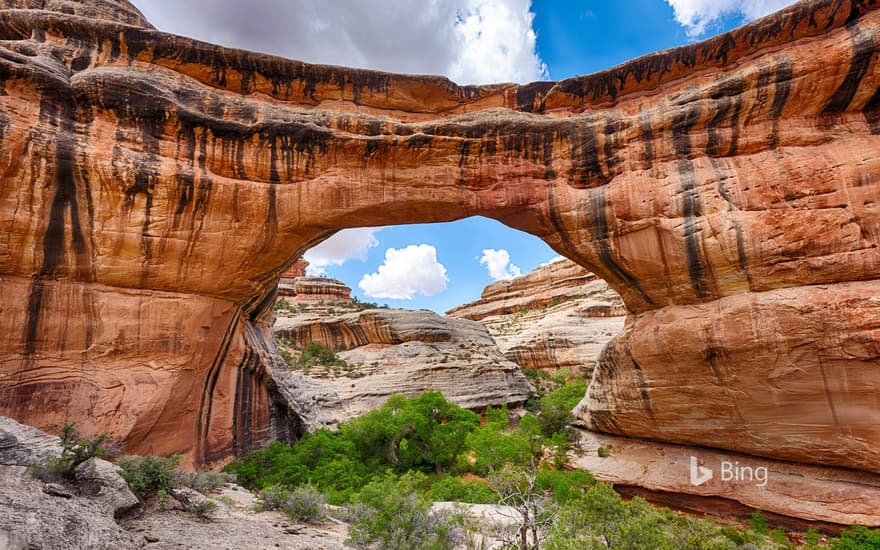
472 41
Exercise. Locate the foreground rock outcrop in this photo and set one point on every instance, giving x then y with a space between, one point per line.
99 512
33 515
739 483
558 317
383 352
155 187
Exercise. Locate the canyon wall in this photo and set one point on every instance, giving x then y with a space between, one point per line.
155 187
557 317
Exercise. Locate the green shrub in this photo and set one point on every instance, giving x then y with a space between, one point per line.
305 503
324 459
497 417
555 408
569 395
147 475
389 514
690 533
554 419
564 485
76 450
204 482
287 356
758 523
455 489
316 354
562 376
858 538
812 537
490 449
600 519
603 451
733 535
423 433
272 497
203 509
780 539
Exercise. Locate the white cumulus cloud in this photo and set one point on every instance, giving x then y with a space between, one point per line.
470 41
348 244
405 273
498 264
496 43
697 15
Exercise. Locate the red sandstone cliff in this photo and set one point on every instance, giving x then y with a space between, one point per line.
155 187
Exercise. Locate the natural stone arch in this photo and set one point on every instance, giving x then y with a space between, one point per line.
155 187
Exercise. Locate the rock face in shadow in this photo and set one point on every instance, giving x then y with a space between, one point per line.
558 317
384 352
154 188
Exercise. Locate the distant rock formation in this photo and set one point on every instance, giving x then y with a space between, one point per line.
559 316
289 276
155 187
320 289
392 351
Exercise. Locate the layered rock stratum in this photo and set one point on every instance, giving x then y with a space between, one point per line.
383 352
155 187
558 317
739 483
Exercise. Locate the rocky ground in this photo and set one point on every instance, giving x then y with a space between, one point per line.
233 525
100 512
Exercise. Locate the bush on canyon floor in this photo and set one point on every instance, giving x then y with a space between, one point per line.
303 503
272 498
555 408
600 519
858 538
75 450
390 514
323 459
205 481
150 475
451 488
203 509
422 433
490 449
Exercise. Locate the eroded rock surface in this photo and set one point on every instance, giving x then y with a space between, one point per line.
559 316
155 187
35 515
393 351
815 493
